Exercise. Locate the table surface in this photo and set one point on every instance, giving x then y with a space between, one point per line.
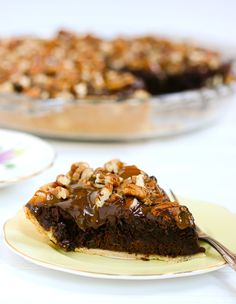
199 165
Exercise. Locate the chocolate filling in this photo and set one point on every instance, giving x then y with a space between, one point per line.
190 79
117 226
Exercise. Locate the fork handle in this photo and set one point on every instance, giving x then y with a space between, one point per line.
227 255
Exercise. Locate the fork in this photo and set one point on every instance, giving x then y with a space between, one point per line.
227 255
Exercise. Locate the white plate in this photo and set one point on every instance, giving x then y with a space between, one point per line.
22 238
22 156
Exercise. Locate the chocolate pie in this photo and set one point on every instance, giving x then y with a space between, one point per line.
115 208
75 67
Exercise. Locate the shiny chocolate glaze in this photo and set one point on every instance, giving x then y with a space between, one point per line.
80 205
122 222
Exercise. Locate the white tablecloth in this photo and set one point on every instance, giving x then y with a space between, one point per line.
199 165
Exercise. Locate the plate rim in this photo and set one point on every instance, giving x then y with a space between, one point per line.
5 183
84 273
96 275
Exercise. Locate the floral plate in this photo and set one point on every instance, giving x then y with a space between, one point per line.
22 156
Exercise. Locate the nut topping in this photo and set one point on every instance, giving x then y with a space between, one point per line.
103 195
140 180
63 180
113 165
134 190
39 197
77 169
60 192
114 181
134 203
86 174
71 66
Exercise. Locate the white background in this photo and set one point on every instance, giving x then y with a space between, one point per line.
199 165
207 18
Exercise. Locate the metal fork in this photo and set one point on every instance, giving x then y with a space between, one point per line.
227 255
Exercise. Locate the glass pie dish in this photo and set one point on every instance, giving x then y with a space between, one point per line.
85 87
107 120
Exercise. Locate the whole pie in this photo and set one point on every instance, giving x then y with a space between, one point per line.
116 208
72 66
84 86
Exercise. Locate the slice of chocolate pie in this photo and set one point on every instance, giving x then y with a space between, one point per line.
116 208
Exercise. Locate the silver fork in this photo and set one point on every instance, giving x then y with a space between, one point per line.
227 255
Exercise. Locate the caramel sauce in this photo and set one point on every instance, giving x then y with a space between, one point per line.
184 219
81 206
128 171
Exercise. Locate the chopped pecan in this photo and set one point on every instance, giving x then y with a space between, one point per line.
113 179
60 192
77 169
63 180
39 197
99 180
103 195
102 178
113 165
86 174
134 203
134 190
140 180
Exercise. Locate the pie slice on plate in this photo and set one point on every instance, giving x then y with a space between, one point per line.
114 210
